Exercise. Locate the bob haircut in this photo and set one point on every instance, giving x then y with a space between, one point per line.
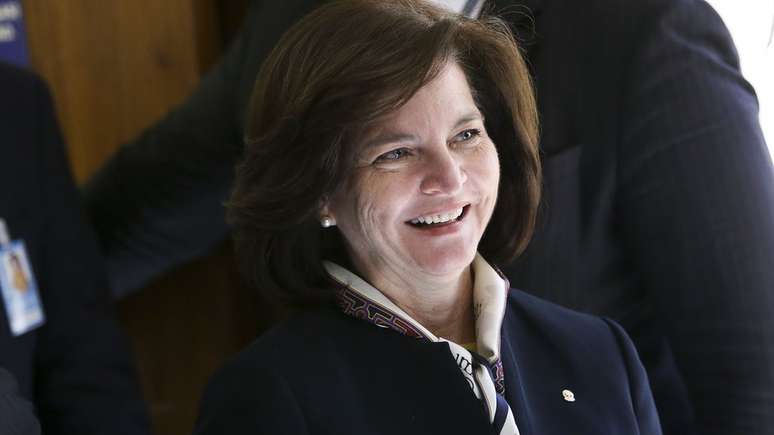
332 75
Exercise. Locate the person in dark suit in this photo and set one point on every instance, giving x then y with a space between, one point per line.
17 416
372 180
659 194
75 365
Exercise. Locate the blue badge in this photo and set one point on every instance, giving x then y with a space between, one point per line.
17 282
13 41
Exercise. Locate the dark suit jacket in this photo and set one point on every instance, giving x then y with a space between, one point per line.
75 368
17 416
327 373
659 202
659 194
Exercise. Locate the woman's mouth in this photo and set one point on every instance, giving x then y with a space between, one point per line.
440 219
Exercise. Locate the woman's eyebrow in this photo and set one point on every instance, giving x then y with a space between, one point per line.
390 138
470 116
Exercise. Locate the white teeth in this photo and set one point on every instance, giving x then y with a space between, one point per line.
438 218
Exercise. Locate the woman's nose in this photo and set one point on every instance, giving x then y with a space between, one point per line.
443 174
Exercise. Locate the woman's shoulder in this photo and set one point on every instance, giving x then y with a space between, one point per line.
258 387
300 334
534 309
554 349
318 336
540 324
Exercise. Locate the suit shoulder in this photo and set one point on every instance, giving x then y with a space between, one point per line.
252 392
267 364
549 332
19 84
293 339
30 102
525 304
540 322
13 76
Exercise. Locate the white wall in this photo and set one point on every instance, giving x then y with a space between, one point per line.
751 23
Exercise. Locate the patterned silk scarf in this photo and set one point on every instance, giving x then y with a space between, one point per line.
482 369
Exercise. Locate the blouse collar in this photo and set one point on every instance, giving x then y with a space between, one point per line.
359 299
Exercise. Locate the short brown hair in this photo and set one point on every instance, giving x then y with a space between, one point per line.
334 73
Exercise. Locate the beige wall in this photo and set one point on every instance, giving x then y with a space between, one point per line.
116 66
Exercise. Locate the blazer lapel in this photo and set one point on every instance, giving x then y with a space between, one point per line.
514 391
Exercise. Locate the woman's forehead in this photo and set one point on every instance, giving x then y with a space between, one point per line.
443 103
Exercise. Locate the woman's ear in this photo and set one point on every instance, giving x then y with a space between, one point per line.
326 218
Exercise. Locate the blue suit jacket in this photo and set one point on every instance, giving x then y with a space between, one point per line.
327 373
659 201
75 368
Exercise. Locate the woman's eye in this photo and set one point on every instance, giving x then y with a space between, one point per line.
468 134
393 155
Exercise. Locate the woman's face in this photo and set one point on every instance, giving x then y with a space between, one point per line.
424 187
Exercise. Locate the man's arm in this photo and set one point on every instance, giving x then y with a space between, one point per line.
697 200
158 202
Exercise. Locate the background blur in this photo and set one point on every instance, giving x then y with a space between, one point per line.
116 66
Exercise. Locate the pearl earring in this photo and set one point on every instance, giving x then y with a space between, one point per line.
327 222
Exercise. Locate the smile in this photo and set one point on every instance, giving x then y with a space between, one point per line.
440 218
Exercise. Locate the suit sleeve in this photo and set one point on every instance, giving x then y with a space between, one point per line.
697 197
158 202
255 399
16 414
85 382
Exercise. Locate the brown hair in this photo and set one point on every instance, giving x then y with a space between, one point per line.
335 72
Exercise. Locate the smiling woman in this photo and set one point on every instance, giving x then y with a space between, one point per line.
414 209
371 196
330 101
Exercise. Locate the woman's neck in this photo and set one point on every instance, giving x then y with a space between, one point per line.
444 307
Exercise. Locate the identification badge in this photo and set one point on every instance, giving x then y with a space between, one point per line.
20 292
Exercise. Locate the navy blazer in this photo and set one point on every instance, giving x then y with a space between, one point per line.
659 191
17 415
75 368
323 372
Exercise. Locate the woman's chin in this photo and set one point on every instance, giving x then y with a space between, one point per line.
447 263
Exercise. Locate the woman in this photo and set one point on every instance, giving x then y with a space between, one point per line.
372 179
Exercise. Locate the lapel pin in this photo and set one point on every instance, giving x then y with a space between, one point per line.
568 395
